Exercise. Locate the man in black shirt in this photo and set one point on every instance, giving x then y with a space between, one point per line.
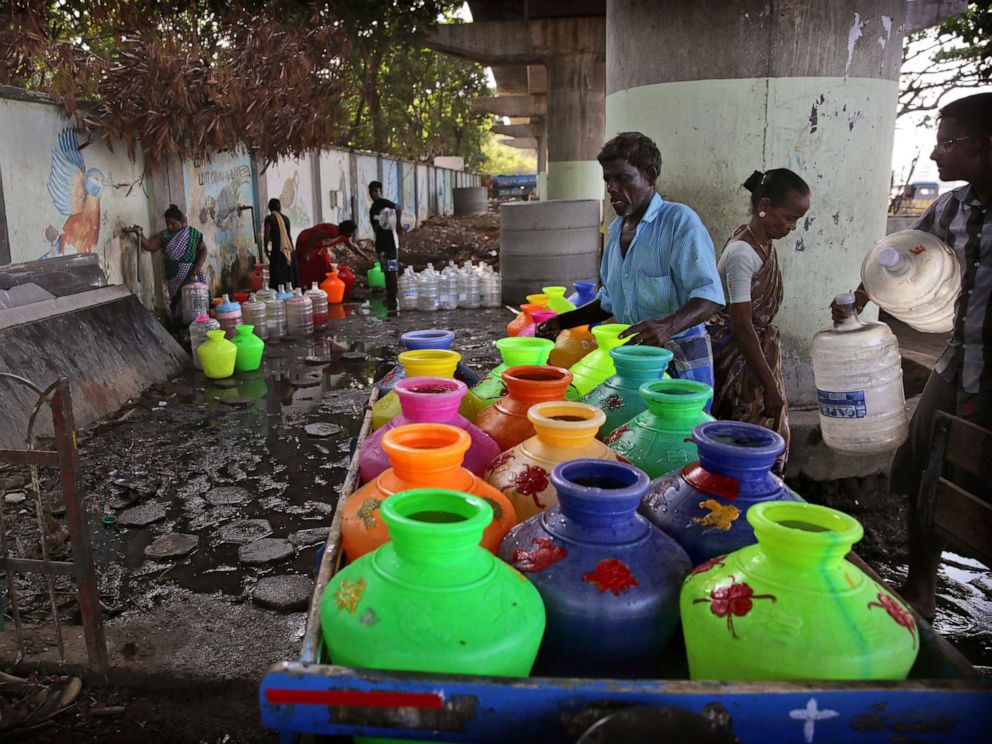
385 240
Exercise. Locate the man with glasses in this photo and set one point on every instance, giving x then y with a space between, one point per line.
961 381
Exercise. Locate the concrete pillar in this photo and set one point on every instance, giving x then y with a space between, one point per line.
573 50
809 85
576 125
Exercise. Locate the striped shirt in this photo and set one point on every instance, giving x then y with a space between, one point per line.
961 220
670 260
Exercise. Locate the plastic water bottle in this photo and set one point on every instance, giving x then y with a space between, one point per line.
468 286
448 287
195 301
428 298
275 316
492 289
914 277
299 315
254 315
198 334
858 375
229 315
318 300
407 287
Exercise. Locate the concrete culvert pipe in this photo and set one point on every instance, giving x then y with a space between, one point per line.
470 200
547 243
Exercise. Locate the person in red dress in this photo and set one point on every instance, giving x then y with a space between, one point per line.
315 248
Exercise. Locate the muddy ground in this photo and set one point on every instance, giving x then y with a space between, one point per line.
276 444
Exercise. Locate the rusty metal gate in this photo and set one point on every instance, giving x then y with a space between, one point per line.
65 457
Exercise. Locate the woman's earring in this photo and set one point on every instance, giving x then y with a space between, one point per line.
761 214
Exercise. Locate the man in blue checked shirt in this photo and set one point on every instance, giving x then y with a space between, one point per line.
659 268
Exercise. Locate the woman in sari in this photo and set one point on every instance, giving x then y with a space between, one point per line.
278 247
746 346
183 254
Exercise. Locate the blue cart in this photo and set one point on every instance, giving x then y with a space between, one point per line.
944 700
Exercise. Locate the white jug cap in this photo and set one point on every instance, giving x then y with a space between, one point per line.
845 298
888 257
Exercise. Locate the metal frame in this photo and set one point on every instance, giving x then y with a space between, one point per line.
65 457
944 701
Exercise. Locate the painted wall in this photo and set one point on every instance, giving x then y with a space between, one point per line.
291 182
408 194
214 189
335 185
367 167
423 194
98 184
391 186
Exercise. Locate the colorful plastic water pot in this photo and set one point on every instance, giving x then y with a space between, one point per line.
585 292
702 504
515 351
556 300
537 317
250 348
659 439
791 607
346 275
416 363
428 400
519 325
217 355
431 338
597 366
619 397
334 288
563 431
609 579
377 279
571 345
506 421
421 456
482 618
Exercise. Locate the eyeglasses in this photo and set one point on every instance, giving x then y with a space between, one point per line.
946 144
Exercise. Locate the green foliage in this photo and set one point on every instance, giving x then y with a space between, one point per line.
501 160
404 99
957 54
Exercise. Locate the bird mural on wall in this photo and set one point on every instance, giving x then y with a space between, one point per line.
75 191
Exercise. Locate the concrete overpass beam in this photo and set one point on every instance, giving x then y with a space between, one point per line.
512 105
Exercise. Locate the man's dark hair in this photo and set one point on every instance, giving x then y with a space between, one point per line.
375 185
174 213
347 227
974 112
637 149
275 205
775 185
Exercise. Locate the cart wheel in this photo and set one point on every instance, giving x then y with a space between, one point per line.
647 723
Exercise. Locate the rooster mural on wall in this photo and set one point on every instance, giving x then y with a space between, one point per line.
75 191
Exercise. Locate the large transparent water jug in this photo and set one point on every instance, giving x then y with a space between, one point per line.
448 287
253 312
468 286
406 286
492 289
916 278
275 316
427 290
318 300
194 301
858 375
198 334
299 315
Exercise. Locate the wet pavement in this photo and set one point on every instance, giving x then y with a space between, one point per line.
202 489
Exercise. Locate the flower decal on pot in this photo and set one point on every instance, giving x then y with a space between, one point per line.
611 575
732 599
897 612
720 516
349 594
542 555
531 481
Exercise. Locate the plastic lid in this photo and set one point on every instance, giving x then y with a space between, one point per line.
227 306
888 257
845 298
201 319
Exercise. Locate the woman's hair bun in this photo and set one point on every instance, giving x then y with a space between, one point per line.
753 181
